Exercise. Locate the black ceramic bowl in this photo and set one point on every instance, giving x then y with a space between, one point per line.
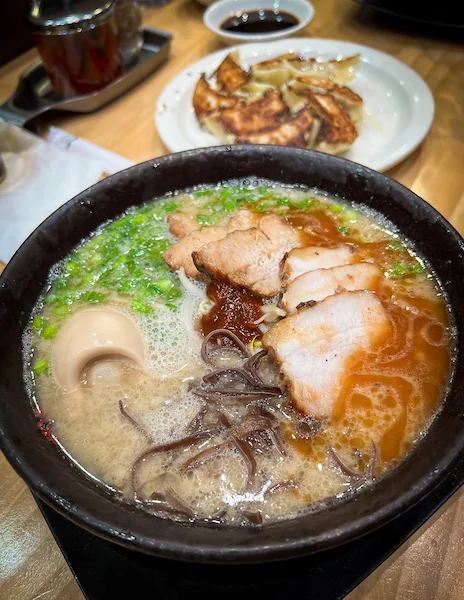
52 477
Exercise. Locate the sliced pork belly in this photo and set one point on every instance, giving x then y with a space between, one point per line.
242 219
302 260
250 258
180 254
317 285
182 223
313 346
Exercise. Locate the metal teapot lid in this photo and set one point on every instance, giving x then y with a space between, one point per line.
51 16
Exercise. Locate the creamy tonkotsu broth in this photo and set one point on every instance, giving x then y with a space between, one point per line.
296 358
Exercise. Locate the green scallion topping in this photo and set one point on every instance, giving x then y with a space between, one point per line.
38 323
40 367
49 332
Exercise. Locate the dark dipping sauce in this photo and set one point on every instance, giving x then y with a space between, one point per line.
235 310
259 21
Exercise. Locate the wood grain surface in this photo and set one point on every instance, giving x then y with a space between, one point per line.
431 564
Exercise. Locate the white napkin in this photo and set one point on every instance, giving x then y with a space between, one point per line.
42 176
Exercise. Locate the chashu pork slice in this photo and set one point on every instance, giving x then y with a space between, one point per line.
313 346
321 283
242 219
302 260
250 258
180 254
184 222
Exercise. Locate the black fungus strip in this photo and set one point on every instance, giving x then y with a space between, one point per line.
247 455
183 442
252 365
276 440
199 459
215 376
197 423
225 333
287 484
343 466
133 422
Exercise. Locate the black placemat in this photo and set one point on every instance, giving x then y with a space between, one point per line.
108 571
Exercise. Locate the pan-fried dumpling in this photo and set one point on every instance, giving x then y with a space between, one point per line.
342 94
295 102
273 72
206 100
339 71
214 126
253 89
298 130
337 132
248 118
229 75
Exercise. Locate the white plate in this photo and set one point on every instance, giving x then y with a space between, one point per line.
398 105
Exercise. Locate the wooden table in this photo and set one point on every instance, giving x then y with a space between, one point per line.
429 566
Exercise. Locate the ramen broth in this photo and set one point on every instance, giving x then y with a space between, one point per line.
152 436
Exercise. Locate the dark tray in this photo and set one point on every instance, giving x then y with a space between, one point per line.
35 94
444 14
104 570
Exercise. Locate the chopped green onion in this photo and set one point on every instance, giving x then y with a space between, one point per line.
61 309
171 306
163 285
417 268
141 307
350 215
202 193
395 245
139 219
94 297
263 190
283 201
72 267
37 324
174 293
61 283
398 271
344 230
128 286
305 203
336 208
205 219
49 332
228 205
263 206
40 367
170 207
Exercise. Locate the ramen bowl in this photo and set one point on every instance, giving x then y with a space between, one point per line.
56 481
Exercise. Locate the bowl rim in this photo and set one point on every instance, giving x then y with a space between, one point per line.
253 551
211 21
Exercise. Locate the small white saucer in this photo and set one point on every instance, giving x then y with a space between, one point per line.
220 11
